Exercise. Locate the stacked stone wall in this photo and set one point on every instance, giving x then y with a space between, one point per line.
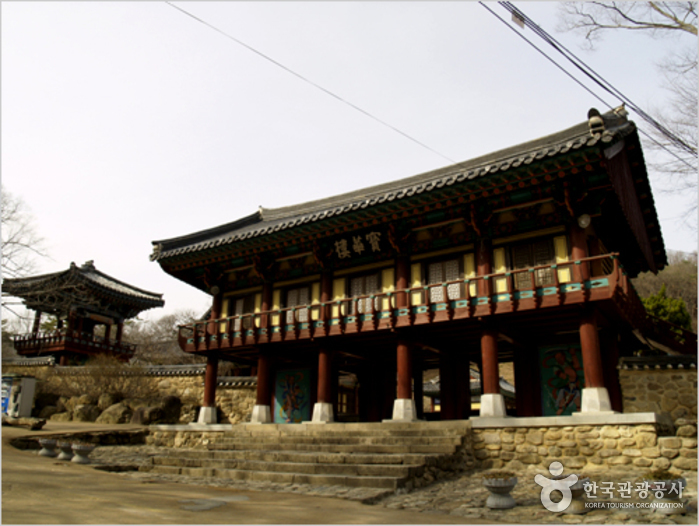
668 391
586 447
234 403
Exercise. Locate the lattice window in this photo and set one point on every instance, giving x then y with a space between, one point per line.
296 297
441 272
364 286
532 255
242 305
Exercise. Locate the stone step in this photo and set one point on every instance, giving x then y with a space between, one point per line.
362 470
333 448
391 483
304 456
423 429
331 440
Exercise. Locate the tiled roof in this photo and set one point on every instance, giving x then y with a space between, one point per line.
88 275
599 130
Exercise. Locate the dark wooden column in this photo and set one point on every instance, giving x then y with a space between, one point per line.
37 322
462 374
107 332
326 295
264 394
610 360
210 380
578 251
266 304
119 331
324 376
484 264
589 343
418 389
404 367
447 387
402 281
490 374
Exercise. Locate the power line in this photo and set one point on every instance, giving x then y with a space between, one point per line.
315 85
598 79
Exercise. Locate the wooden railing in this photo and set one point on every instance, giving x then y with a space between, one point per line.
477 296
63 337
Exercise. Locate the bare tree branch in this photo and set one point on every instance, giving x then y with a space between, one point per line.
21 244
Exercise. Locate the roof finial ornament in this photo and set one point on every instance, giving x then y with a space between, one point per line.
595 121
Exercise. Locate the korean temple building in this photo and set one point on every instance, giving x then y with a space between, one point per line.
524 256
81 298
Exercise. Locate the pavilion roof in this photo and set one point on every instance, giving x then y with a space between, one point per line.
83 286
587 134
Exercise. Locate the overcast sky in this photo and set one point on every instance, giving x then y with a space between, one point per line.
129 122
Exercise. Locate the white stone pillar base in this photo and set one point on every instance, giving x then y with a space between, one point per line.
207 415
323 413
404 410
261 414
492 405
595 400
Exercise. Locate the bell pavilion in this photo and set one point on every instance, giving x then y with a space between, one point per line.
81 299
525 255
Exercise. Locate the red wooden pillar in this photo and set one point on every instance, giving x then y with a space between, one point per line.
262 412
266 304
484 258
215 312
589 342
490 377
404 371
210 381
418 389
610 360
578 251
326 295
402 281
324 377
447 387
37 322
107 332
462 373
404 405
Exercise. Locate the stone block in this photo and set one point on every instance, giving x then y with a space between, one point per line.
507 455
570 451
586 451
480 454
508 447
596 444
610 443
642 462
631 452
645 439
583 429
609 432
595 459
651 452
668 404
529 459
507 438
575 462
526 448
669 453
555 451
536 438
688 464
607 453
619 461
661 463
542 451
689 443
491 438
627 442
554 434
493 447
520 439
567 443
66 416
687 431
669 442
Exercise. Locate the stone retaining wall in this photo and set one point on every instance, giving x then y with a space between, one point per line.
586 447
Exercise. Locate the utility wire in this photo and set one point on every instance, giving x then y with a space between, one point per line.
523 17
321 88
596 77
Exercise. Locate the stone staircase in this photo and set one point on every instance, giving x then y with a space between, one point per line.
368 455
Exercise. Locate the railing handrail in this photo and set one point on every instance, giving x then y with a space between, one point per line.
60 334
391 294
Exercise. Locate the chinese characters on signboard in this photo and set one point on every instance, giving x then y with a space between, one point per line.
356 245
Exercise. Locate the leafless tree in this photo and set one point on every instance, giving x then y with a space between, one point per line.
21 244
675 158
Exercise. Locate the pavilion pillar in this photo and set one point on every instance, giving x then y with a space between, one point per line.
119 331
462 374
595 397
418 395
484 264
402 280
323 408
404 405
262 412
266 306
610 360
37 322
107 332
207 413
447 387
492 402
578 251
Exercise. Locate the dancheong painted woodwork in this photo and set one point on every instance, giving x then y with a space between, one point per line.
80 298
523 255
